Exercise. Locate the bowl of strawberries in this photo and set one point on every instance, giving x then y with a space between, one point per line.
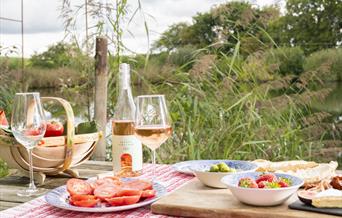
262 189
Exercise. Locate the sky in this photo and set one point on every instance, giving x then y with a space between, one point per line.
43 25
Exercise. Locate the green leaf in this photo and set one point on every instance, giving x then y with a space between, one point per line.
286 180
86 127
3 168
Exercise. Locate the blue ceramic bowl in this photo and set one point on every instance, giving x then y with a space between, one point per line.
261 196
213 179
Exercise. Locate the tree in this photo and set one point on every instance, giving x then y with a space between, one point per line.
223 25
311 24
171 39
59 55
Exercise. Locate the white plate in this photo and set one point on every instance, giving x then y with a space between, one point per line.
186 166
58 198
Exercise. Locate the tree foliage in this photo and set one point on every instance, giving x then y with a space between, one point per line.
311 24
171 39
59 55
223 26
285 60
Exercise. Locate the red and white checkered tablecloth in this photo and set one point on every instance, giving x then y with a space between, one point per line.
39 208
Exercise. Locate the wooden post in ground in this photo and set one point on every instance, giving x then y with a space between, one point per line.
101 82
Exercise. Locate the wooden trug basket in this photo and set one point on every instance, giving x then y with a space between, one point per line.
55 155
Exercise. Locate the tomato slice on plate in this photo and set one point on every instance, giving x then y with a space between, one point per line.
106 191
86 203
75 198
115 201
129 192
148 193
131 199
124 200
78 187
138 185
108 180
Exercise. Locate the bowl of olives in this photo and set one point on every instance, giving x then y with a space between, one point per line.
210 172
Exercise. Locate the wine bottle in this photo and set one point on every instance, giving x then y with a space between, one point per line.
126 148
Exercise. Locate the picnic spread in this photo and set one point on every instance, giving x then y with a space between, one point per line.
187 196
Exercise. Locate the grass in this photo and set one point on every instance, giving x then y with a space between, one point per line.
212 121
222 107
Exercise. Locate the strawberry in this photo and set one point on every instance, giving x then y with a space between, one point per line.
266 177
247 183
282 184
262 184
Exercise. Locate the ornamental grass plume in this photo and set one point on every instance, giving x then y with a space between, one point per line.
202 67
315 118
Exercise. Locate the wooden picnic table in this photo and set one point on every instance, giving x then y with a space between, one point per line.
14 182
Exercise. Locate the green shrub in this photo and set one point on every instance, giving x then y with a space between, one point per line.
160 58
331 57
285 60
53 78
58 55
183 56
9 84
255 67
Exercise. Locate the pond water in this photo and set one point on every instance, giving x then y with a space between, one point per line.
81 103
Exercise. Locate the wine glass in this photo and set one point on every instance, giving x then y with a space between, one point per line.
152 123
28 126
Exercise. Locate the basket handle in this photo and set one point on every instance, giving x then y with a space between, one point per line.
70 129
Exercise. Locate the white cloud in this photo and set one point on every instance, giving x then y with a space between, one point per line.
39 16
43 26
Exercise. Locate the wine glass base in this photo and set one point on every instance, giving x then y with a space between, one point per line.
31 192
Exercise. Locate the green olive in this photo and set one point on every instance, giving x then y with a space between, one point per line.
214 168
232 170
223 167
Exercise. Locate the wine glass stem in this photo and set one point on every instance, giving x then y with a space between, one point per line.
31 185
154 164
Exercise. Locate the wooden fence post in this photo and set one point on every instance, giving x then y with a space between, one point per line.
101 82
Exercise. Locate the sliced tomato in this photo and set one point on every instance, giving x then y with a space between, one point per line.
115 201
86 203
138 185
78 187
113 178
106 191
75 198
108 180
129 192
124 200
148 193
131 199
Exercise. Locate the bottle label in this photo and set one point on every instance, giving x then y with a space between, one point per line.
126 151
